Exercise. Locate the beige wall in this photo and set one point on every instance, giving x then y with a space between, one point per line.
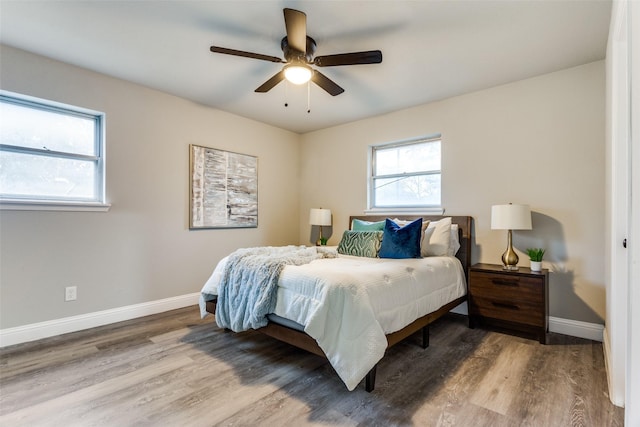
141 250
538 141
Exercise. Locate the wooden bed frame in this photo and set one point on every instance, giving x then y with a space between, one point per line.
302 340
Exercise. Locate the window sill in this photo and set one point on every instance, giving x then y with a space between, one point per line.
36 205
414 211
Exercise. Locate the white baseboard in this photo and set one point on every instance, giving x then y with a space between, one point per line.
576 328
36 331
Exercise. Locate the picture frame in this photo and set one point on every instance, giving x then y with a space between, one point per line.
223 189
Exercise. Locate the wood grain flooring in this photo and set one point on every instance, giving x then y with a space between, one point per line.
174 369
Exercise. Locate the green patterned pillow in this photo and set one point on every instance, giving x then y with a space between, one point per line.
360 243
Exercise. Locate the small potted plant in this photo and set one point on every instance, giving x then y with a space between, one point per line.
535 255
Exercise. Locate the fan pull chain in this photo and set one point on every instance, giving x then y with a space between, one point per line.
286 85
309 97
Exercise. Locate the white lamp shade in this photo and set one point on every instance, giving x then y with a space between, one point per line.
297 74
510 217
320 216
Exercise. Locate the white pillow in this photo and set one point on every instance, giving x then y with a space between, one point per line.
454 243
437 238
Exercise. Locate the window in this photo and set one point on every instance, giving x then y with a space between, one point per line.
49 152
405 174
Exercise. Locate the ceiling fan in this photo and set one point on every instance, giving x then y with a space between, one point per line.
298 49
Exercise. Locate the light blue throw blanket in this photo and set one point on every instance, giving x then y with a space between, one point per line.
248 288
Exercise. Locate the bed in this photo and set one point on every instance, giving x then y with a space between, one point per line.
319 324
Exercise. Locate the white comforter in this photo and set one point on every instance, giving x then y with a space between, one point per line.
348 304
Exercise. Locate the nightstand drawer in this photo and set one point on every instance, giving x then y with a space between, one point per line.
507 287
527 312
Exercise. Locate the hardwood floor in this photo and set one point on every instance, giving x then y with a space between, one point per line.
174 369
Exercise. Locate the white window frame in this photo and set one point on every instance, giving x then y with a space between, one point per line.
59 203
423 209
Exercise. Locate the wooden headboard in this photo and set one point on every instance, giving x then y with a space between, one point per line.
464 231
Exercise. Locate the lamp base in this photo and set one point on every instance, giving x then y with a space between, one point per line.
321 240
510 257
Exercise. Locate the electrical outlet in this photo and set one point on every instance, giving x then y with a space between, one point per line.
71 293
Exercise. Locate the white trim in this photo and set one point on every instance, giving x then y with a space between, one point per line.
618 204
616 398
576 328
407 211
371 176
632 368
58 202
36 205
36 331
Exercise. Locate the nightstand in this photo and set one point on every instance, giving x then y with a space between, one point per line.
516 300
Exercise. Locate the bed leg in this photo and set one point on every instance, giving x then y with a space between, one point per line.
472 323
370 380
425 337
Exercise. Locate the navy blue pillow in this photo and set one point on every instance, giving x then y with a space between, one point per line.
401 242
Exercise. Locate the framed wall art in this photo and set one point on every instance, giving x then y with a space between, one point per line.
223 189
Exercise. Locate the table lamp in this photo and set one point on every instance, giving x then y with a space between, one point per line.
510 217
320 217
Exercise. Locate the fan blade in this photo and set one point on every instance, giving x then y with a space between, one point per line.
326 83
217 49
354 58
269 84
296 23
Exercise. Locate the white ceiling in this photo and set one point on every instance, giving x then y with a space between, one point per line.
432 49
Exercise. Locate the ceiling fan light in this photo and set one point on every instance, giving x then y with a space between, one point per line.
298 74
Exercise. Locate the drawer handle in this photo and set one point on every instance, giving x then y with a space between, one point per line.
504 282
504 305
